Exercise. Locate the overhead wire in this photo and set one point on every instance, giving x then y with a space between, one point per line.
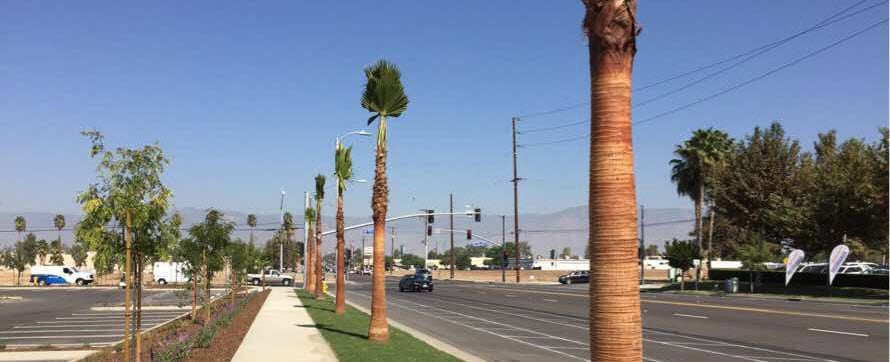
836 17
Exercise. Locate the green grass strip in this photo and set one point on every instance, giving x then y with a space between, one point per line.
348 336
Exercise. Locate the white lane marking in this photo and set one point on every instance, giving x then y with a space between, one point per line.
491 310
735 345
690 316
158 313
75 326
704 350
480 329
532 337
66 337
551 300
509 295
837 332
558 347
105 321
56 330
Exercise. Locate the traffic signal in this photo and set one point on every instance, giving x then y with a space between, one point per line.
478 214
469 234
429 230
429 217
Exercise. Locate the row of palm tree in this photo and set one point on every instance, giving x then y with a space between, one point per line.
383 96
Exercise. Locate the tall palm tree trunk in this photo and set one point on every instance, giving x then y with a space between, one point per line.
319 269
340 305
309 277
711 215
378 330
699 204
615 324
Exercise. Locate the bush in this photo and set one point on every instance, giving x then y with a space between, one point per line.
205 337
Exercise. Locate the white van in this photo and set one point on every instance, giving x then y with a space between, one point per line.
169 272
59 274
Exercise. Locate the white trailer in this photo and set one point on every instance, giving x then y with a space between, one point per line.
169 272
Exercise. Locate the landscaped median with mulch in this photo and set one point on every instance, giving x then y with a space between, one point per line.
348 336
188 340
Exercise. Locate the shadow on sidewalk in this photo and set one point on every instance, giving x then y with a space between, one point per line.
313 307
326 328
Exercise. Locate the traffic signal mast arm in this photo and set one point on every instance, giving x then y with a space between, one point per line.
358 226
475 236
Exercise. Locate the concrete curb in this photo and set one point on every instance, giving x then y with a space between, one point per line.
432 341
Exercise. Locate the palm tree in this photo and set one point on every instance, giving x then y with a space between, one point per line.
309 275
20 226
384 96
343 172
615 324
42 249
59 223
251 222
319 270
697 160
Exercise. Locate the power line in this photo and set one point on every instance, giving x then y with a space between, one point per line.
742 84
825 22
762 76
544 129
758 52
565 140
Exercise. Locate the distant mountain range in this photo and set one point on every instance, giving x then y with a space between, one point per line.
565 228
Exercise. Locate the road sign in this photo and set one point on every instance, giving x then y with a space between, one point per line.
369 250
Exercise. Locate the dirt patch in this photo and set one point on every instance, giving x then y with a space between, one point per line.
228 339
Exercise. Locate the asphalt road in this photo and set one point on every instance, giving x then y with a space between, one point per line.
66 316
549 323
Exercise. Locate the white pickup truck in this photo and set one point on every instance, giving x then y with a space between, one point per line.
272 277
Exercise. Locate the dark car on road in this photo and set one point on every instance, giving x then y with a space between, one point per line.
578 276
416 283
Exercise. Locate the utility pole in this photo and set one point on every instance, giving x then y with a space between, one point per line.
642 242
451 226
363 253
503 248
281 242
515 203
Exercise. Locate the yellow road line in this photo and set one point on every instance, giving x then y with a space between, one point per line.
743 309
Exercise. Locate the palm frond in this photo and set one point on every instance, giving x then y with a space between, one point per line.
342 167
384 93
319 187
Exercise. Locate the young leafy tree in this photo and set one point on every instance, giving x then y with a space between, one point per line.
129 191
681 255
59 223
615 322
210 238
16 258
652 250
753 254
343 173
384 96
698 161
78 252
240 260
56 250
319 268
20 226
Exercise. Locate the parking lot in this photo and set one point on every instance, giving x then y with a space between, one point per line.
76 317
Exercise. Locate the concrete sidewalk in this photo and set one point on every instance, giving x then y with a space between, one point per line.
283 331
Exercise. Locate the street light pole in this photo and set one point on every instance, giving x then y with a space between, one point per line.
305 239
451 226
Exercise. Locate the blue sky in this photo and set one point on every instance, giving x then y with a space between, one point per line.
247 98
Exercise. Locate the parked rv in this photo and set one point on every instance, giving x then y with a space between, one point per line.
59 274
